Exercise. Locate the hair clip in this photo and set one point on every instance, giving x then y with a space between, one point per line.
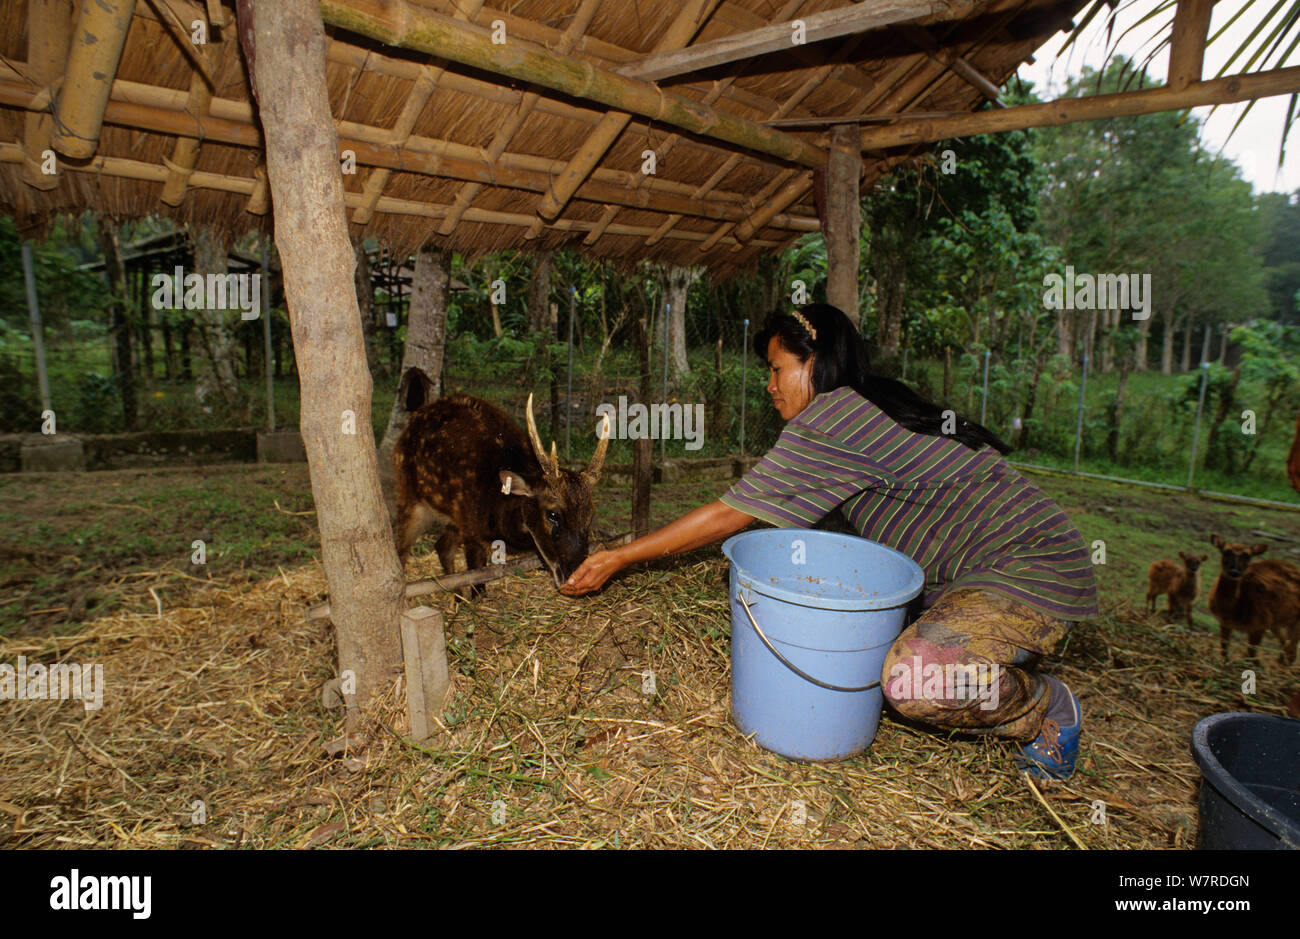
803 321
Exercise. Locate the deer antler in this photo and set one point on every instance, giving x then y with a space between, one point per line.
551 464
605 431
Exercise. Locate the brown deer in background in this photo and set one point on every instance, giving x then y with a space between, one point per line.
1293 459
1256 598
464 458
1182 582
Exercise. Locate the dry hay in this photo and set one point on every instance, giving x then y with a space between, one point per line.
219 700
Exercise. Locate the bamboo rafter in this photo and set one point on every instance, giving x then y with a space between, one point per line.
501 140
812 82
416 99
1227 90
49 26
719 87
122 168
925 72
397 24
160 110
591 151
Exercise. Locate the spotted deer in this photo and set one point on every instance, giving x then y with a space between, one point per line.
465 459
1182 582
1256 598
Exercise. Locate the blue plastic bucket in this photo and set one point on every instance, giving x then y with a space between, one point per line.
813 614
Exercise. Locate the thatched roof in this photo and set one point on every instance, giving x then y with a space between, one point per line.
439 156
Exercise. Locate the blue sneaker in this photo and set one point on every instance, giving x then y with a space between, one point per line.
1051 755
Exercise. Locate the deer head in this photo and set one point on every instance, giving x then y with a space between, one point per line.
559 512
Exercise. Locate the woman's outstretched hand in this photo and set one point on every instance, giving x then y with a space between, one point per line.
593 573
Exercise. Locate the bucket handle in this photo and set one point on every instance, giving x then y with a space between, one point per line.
740 593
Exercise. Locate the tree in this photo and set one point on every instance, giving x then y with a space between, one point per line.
366 584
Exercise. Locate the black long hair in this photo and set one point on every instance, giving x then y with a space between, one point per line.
842 359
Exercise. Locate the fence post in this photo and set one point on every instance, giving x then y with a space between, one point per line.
1196 433
266 333
34 310
1078 427
568 401
744 377
984 395
663 438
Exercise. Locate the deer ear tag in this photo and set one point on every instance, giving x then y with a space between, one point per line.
505 487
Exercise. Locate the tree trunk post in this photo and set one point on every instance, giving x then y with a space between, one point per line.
284 43
679 281
216 370
843 219
121 328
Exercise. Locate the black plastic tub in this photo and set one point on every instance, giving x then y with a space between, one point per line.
1250 794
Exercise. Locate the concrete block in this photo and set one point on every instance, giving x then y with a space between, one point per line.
57 453
281 446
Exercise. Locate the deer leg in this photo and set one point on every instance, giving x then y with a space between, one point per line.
446 547
476 557
1287 655
1224 633
1251 649
413 520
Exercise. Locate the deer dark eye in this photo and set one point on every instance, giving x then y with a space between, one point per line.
553 517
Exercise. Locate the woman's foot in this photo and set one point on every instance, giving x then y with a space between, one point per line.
1051 755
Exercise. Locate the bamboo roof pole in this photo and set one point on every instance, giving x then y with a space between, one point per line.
414 105
397 23
720 86
343 54
1225 90
49 28
242 112
793 190
185 153
506 133
776 36
812 82
259 201
159 120
689 20
911 90
96 49
1187 42
792 184
122 168
964 69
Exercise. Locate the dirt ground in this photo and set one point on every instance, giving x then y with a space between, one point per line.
213 733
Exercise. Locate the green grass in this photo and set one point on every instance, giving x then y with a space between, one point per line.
73 544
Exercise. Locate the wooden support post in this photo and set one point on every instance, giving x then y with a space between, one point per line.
843 219
428 682
357 545
49 27
1187 42
402 24
92 62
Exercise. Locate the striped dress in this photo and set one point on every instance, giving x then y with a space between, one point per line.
965 516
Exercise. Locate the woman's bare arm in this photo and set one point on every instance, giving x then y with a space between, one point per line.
701 526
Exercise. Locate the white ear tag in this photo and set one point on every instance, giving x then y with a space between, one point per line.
505 487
